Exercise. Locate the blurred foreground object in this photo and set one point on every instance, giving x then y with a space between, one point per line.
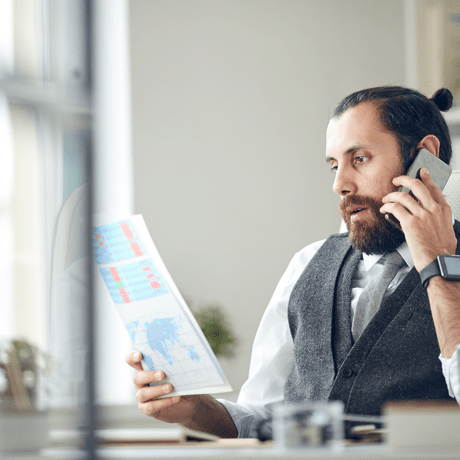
23 426
423 426
309 426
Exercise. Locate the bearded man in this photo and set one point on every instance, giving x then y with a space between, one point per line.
332 330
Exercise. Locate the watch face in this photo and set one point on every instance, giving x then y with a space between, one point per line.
450 267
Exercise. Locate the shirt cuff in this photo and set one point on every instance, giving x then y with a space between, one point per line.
451 371
245 421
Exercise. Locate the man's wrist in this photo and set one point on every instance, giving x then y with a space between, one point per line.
211 416
445 266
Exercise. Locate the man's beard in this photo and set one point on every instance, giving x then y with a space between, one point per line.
375 235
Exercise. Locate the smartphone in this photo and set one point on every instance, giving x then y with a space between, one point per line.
439 171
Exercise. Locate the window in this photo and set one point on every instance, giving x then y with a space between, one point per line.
45 127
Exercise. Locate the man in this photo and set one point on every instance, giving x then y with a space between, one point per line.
316 342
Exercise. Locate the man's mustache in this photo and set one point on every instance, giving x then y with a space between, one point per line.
351 202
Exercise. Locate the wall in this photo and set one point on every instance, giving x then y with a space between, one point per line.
230 104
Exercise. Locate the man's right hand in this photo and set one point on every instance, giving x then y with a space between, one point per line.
197 412
176 409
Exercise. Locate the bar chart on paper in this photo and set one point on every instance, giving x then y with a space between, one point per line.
116 242
155 315
133 281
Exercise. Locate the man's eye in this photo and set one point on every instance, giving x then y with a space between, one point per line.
360 159
334 168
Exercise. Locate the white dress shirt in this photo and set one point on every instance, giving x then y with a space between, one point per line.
272 357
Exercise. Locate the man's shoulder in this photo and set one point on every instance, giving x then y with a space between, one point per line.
307 253
339 236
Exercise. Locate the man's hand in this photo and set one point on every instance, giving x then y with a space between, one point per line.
428 228
176 409
198 412
427 224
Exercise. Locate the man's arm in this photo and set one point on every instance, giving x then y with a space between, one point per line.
427 225
271 363
200 412
445 307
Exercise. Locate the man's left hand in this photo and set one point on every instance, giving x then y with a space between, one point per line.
427 224
428 228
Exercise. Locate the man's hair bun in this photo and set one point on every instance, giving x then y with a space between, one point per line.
443 99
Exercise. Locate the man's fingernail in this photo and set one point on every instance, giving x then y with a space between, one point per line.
138 355
425 170
167 389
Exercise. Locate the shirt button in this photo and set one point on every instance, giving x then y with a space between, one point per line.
347 372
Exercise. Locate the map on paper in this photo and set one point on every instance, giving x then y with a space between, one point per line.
155 315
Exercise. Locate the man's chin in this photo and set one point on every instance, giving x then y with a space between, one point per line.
377 237
369 232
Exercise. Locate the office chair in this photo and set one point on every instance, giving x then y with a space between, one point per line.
452 193
69 233
68 284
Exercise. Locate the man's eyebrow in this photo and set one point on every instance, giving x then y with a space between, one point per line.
352 149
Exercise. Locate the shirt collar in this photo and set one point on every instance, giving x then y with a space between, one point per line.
371 259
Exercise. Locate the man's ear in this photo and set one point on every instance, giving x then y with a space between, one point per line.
431 143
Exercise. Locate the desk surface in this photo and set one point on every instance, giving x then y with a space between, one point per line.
236 449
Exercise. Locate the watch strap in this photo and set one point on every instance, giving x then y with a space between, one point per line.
432 269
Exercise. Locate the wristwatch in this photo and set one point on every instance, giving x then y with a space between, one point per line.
445 266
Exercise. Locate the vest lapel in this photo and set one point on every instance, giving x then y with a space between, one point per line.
310 314
395 358
397 304
388 310
342 339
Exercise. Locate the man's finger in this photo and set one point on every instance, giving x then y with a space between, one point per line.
143 378
134 360
428 182
419 190
148 393
152 408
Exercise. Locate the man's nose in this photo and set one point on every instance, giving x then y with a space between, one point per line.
343 183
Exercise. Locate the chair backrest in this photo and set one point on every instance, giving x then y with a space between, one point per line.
452 193
69 233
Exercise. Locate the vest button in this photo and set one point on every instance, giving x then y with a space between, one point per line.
347 372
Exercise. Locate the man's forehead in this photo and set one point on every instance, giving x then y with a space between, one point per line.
359 125
359 116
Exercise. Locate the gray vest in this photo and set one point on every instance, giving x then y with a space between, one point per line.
396 357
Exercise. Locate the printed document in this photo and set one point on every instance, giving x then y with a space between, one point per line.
157 319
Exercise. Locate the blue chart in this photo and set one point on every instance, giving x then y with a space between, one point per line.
171 345
116 242
156 317
162 335
135 281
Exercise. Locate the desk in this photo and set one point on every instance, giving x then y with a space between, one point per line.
236 449
414 425
249 449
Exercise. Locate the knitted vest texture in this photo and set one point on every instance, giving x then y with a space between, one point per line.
396 357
